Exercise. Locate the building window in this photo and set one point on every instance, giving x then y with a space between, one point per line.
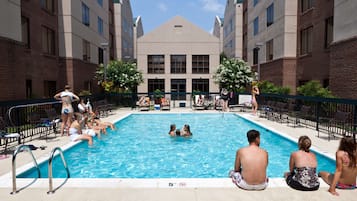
255 55
201 85
200 64
328 31
100 55
256 26
178 89
306 41
156 64
28 88
270 50
100 2
100 26
87 85
255 2
154 84
86 50
178 64
306 5
85 14
270 15
48 40
25 29
49 88
48 5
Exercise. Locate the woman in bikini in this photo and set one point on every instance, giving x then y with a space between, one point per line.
255 91
346 167
302 175
67 97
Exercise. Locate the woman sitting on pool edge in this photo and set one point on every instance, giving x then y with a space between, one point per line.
346 167
302 175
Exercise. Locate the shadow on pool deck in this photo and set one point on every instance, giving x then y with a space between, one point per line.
95 191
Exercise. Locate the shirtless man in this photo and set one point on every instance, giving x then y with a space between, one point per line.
250 166
67 98
346 167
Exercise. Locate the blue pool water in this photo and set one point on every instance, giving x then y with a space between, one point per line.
140 147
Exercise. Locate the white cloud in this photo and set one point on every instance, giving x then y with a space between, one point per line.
212 6
163 7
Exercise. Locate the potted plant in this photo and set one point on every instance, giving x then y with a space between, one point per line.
158 94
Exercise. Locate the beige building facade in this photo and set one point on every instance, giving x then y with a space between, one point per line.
178 58
233 29
124 30
10 28
138 32
218 31
271 40
83 40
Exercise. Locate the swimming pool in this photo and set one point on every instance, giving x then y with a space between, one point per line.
141 148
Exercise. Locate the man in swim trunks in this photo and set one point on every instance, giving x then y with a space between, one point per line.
346 167
67 97
250 166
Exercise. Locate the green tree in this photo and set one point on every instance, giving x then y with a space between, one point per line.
120 76
233 74
314 88
268 87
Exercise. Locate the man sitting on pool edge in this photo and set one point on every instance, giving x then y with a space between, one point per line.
251 164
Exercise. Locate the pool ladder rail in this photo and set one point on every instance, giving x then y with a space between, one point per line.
50 175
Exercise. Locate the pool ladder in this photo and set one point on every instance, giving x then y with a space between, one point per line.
50 176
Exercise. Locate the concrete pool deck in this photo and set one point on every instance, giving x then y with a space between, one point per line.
164 189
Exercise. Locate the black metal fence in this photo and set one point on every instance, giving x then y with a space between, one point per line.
327 116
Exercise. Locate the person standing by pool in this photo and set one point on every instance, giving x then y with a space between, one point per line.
67 97
255 92
251 164
302 166
346 167
225 98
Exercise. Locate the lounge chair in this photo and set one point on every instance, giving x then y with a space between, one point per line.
53 118
7 134
217 103
144 103
198 104
165 104
244 102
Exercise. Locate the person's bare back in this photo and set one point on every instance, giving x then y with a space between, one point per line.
253 161
251 164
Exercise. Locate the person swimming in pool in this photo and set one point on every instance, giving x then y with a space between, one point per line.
346 167
172 130
66 97
185 131
251 164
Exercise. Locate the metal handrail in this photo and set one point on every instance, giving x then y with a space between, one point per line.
50 175
19 149
27 105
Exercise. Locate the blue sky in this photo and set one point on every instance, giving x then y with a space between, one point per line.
156 12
